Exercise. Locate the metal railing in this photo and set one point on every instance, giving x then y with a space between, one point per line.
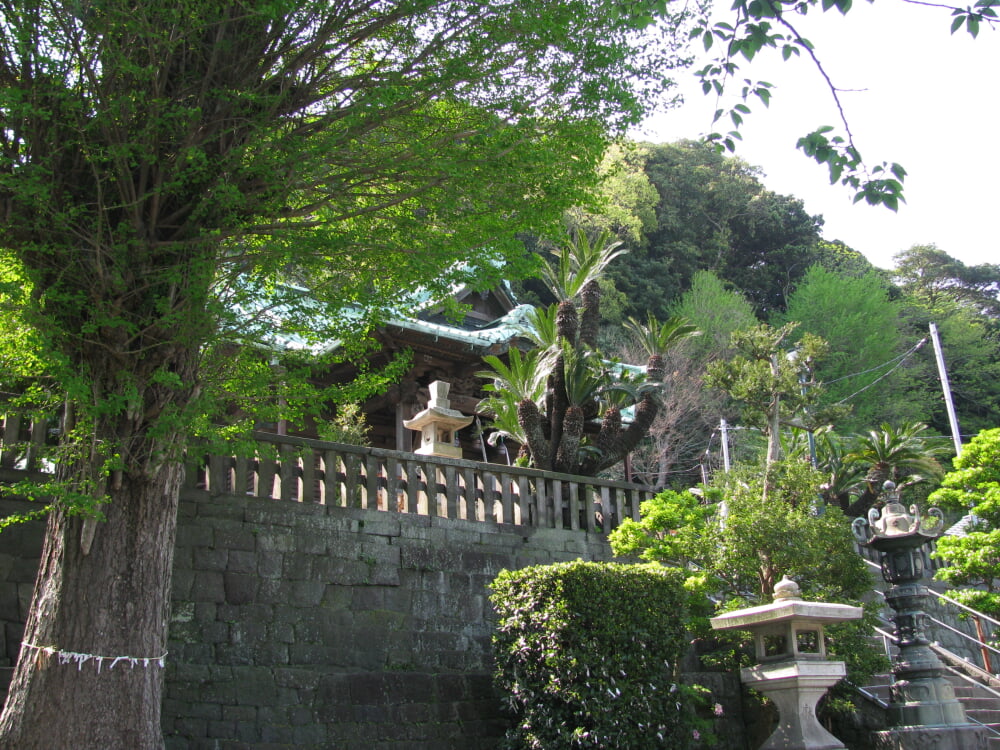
984 626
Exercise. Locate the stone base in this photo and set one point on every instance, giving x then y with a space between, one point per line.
958 737
796 686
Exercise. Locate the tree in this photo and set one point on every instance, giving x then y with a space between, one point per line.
580 384
690 412
162 166
860 324
757 27
714 214
773 387
931 276
902 455
973 487
737 535
972 355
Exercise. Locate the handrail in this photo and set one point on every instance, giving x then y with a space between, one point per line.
948 656
970 610
985 648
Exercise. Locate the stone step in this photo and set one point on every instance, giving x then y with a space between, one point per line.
983 715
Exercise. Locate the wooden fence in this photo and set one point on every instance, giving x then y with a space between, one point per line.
313 471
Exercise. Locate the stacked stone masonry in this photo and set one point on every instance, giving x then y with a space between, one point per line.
307 626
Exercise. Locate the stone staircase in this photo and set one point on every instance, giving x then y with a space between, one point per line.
958 643
981 701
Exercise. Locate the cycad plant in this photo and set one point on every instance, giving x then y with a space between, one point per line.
903 455
556 390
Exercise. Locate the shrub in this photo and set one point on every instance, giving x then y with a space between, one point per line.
587 656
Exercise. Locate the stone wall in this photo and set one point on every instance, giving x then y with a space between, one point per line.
303 625
20 549
311 626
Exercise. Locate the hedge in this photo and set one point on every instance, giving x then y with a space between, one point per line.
587 654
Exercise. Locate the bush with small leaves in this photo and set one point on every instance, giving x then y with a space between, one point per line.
587 657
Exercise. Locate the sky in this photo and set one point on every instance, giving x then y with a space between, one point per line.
913 94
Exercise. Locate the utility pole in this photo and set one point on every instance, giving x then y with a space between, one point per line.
956 436
723 428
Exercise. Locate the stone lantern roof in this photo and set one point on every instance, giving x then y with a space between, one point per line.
788 605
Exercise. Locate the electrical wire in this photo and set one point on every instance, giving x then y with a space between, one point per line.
902 358
916 347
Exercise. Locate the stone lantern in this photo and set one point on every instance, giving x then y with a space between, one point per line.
438 423
793 669
923 709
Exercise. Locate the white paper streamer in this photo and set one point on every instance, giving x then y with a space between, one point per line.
75 657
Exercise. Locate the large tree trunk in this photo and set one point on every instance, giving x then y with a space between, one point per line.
97 628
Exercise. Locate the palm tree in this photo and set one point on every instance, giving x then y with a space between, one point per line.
577 383
901 455
517 385
615 441
580 262
657 339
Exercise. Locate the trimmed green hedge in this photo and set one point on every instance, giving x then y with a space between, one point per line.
586 656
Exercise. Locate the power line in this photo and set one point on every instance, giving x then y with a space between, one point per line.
902 358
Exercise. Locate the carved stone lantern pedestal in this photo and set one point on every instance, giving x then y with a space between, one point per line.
793 669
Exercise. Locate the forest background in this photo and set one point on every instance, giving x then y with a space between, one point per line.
706 240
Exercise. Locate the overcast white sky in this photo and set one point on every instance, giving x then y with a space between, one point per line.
918 96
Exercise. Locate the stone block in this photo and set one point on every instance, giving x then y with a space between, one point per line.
208 586
190 728
484 562
337 597
247 733
313 654
240 588
24 570
270 563
235 535
242 561
272 591
9 607
255 687
310 735
460 536
239 713
194 535
367 598
276 541
306 593
298 566
210 558
181 582
344 572
203 710
297 678
224 507
312 543
380 524
228 654
433 536
368 689
429 559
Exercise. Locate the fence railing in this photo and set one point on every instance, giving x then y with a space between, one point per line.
313 471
